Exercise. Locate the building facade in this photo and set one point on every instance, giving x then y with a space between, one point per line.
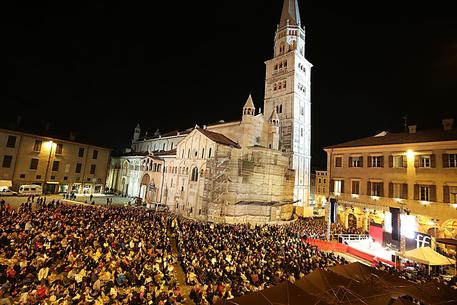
288 90
320 189
57 165
239 170
415 171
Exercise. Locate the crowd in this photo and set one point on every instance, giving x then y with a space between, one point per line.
224 261
76 254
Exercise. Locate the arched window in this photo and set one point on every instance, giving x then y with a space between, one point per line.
285 84
194 176
285 63
188 153
209 153
203 153
280 108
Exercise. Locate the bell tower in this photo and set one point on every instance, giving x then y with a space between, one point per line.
288 92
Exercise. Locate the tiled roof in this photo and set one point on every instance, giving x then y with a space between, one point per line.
170 152
218 138
387 138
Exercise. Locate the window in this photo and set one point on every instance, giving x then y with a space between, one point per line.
196 153
95 154
377 161
78 168
425 161
11 142
397 162
59 149
356 161
376 189
424 193
338 161
194 176
7 161
55 166
450 160
209 153
453 194
159 168
92 169
355 187
37 146
34 163
338 187
38 176
203 153
81 152
65 178
22 176
397 190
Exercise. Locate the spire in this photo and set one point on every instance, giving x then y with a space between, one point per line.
249 103
274 118
291 12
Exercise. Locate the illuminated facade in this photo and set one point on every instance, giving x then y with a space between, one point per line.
415 171
58 165
288 90
224 172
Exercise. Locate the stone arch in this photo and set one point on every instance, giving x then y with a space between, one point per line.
449 228
434 232
352 221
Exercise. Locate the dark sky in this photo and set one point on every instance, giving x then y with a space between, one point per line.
98 67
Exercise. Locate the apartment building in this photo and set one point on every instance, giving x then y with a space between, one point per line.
57 165
415 171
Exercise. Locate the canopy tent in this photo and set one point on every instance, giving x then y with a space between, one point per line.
284 293
337 289
369 276
431 293
428 256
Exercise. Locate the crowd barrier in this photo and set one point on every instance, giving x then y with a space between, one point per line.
341 248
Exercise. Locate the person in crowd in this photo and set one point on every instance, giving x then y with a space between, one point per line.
77 254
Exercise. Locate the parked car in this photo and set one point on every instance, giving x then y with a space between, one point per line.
7 192
26 190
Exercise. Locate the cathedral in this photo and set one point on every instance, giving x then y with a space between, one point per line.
256 169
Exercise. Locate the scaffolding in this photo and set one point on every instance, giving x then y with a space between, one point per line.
216 185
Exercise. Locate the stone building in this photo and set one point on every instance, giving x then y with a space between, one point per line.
288 90
240 170
56 164
415 171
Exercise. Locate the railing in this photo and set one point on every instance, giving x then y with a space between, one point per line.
347 237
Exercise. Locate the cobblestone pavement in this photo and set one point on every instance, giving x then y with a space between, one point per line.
180 275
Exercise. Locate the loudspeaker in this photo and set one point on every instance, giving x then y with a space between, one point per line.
395 223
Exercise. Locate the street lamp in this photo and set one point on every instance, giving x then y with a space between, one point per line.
50 144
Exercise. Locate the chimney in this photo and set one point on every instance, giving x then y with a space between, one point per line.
47 126
448 124
72 136
412 128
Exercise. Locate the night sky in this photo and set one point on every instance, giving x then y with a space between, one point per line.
98 68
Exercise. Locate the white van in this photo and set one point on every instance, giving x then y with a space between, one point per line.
26 190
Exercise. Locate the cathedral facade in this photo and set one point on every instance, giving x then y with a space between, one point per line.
255 169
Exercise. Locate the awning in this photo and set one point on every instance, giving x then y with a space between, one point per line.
428 256
6 183
447 241
52 182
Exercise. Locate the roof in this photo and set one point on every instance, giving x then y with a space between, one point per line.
221 122
218 138
388 138
52 136
170 152
265 203
274 115
173 133
249 103
291 12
